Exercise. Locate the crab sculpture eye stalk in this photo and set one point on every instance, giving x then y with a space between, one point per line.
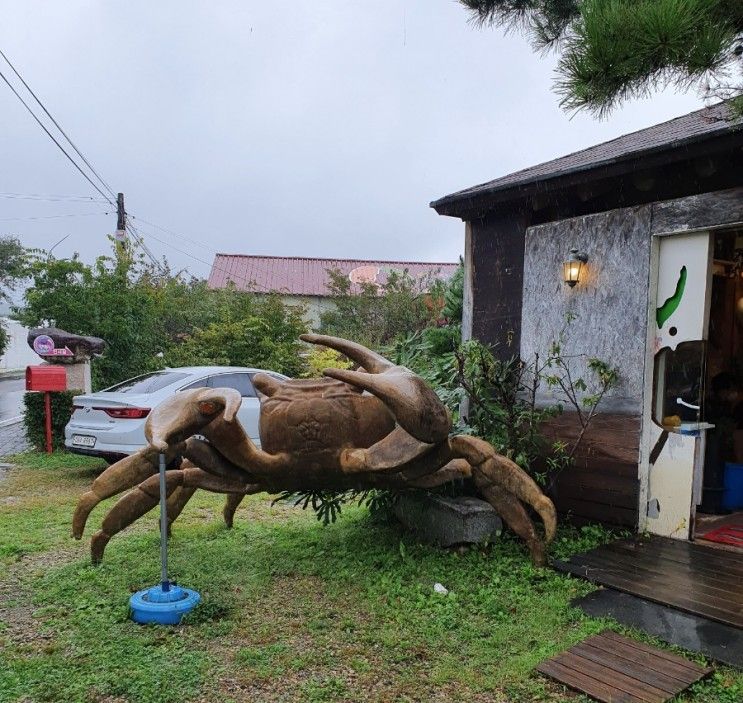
380 426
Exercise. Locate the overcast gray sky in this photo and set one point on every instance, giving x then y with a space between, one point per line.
311 128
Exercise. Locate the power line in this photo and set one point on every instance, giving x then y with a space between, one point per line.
208 248
212 266
129 227
51 217
57 125
137 238
52 198
51 136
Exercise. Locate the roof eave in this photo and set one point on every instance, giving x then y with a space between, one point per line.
468 204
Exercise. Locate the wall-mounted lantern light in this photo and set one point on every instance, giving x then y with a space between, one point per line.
574 266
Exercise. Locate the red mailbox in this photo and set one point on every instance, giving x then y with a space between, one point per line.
46 378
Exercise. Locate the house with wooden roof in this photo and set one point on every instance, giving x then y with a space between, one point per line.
640 240
305 281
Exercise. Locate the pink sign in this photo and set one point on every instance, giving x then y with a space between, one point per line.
65 351
44 346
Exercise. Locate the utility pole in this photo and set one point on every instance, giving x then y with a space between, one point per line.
120 235
120 219
120 214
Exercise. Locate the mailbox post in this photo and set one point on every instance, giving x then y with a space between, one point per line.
46 379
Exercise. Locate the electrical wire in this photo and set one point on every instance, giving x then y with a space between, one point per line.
249 282
51 136
201 245
51 217
129 227
138 238
57 125
53 198
108 199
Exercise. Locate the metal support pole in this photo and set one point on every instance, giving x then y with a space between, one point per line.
48 420
163 528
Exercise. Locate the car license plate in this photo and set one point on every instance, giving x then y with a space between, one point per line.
81 440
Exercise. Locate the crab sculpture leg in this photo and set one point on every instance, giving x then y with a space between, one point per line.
417 452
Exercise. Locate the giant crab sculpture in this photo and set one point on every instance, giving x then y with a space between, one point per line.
377 427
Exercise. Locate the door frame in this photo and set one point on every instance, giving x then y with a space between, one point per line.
644 467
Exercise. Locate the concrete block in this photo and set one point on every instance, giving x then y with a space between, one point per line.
447 522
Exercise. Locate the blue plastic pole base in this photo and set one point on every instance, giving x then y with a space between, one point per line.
164 604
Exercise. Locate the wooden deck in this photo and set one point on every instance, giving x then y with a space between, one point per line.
614 669
684 575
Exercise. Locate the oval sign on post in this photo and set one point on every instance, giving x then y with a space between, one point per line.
44 345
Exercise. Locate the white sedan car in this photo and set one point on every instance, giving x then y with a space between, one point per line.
110 423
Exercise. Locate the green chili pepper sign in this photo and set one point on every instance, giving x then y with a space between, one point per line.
671 305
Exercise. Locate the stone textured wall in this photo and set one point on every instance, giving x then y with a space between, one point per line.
610 303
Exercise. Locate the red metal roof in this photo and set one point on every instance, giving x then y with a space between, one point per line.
294 275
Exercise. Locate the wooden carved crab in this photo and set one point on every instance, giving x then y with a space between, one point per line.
380 427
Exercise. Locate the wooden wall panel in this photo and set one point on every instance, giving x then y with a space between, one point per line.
603 485
699 211
497 281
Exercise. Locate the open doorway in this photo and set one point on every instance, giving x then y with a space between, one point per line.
719 514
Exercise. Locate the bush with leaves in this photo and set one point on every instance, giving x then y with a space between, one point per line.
505 396
151 317
4 338
505 406
14 259
319 358
246 330
112 299
34 418
376 314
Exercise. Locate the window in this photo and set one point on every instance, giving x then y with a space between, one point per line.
201 383
149 383
279 377
678 385
239 381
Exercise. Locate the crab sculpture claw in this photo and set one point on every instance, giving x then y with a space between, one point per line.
415 406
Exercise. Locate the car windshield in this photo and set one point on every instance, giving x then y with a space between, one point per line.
149 383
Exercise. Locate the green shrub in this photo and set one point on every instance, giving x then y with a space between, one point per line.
33 417
4 338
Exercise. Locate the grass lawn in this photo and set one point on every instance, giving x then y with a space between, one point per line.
291 611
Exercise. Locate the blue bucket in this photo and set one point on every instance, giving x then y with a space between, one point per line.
159 606
732 496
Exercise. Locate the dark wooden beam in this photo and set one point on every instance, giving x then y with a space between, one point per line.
497 281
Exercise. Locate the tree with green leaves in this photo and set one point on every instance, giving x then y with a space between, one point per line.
151 317
13 262
245 330
375 314
110 299
614 50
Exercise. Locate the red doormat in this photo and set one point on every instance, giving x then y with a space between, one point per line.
730 534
